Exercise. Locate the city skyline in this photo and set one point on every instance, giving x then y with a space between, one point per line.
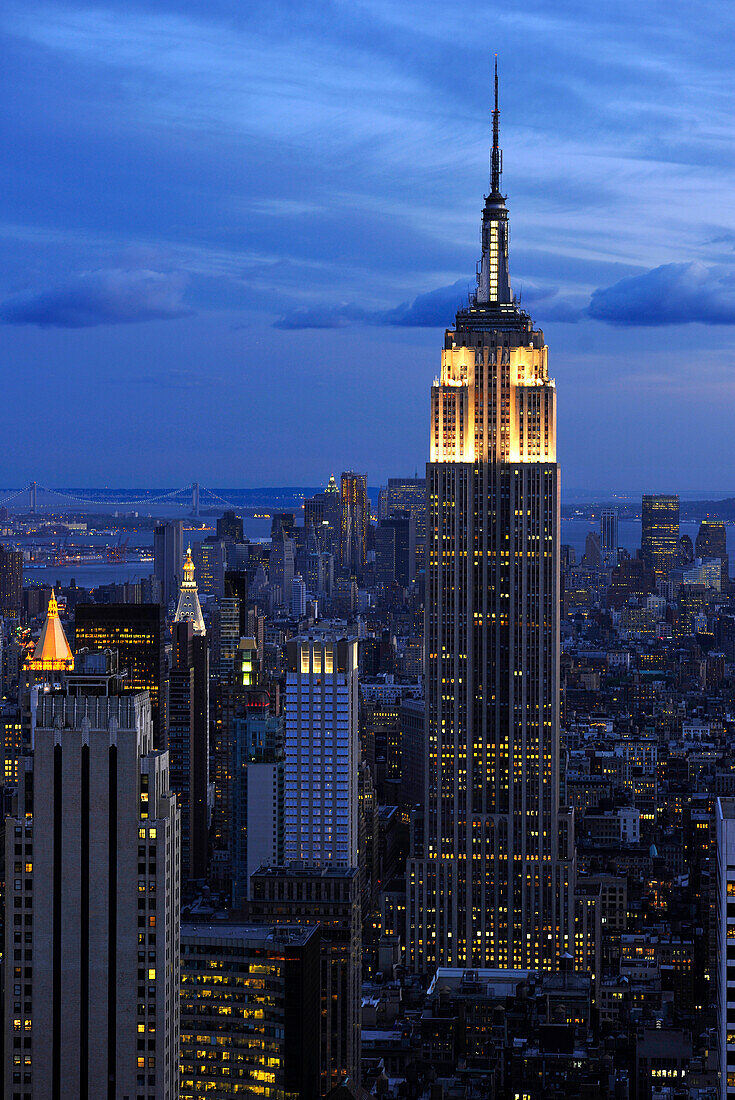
226 186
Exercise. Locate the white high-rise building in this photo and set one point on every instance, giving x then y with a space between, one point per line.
298 597
92 908
322 750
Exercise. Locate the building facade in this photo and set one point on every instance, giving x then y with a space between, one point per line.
725 904
188 744
331 898
660 533
712 543
137 632
407 494
249 1011
355 514
11 583
168 554
609 537
490 881
257 793
92 935
322 750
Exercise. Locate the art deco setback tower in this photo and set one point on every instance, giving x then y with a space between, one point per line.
490 878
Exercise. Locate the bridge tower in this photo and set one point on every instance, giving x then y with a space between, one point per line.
32 492
195 499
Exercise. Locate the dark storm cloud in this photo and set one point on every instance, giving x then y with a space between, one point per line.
672 294
110 297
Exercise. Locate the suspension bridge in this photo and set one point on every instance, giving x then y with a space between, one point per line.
193 496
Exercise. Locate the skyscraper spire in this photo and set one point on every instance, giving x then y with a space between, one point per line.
497 155
493 277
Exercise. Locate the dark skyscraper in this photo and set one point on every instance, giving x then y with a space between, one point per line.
11 583
98 907
407 494
395 550
491 883
168 554
712 543
188 743
136 631
229 527
609 537
660 533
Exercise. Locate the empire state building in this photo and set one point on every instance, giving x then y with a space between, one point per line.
490 878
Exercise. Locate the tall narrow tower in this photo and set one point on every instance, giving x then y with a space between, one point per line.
489 881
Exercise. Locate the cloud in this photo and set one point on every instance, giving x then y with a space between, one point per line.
673 294
105 297
434 309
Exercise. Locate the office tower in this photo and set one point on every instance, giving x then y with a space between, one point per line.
188 743
282 522
692 609
332 517
282 564
314 511
210 557
408 494
11 732
137 632
609 537
395 550
168 554
316 566
331 898
354 522
712 543
225 636
188 608
490 885
725 825
249 1010
298 597
322 513
322 749
235 696
229 527
35 600
413 754
91 1001
660 533
236 588
257 792
11 583
686 551
344 597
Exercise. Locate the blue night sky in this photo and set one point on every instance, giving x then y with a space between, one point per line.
232 234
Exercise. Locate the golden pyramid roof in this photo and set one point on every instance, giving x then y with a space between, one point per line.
52 652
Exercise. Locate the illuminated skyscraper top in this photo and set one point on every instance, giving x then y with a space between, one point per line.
52 652
189 608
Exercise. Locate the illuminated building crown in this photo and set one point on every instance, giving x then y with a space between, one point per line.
188 608
52 652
